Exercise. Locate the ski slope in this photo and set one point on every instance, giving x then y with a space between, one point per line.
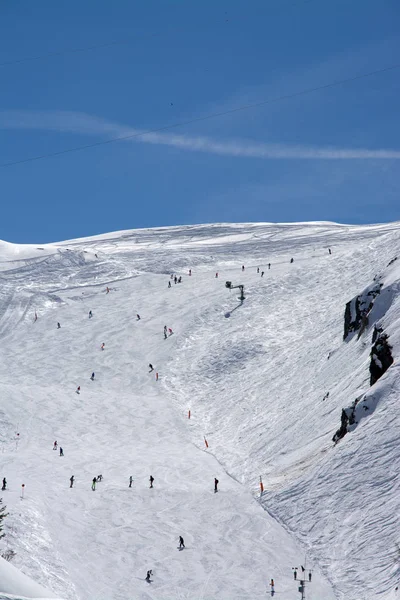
253 375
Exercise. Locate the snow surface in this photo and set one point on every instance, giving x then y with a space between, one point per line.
253 375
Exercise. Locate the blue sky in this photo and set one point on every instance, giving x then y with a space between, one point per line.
316 156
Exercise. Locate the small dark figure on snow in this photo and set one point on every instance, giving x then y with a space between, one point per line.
151 367
4 484
180 280
181 543
258 269
175 279
291 260
170 332
130 481
242 267
216 482
138 317
330 251
216 275
58 326
149 574
92 376
94 483
269 265
309 576
55 445
151 479
90 314
295 574
169 284
71 481
61 451
78 389
262 273
190 272
99 477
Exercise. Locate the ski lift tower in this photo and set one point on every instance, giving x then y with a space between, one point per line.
228 284
303 579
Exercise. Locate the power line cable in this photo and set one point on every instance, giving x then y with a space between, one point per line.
204 118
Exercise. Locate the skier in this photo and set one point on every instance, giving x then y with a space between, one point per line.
148 575
175 279
151 367
291 260
181 543
71 481
269 265
180 280
78 389
102 346
107 290
4 484
242 268
90 314
58 326
262 273
216 482
295 574
137 317
130 481
99 477
169 284
61 451
151 479
216 275
35 319
309 576
258 269
329 250
94 483
55 445
92 376
190 272
170 332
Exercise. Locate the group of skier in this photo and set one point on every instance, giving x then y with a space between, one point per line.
167 333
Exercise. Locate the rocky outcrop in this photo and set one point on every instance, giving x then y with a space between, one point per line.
347 419
381 356
357 310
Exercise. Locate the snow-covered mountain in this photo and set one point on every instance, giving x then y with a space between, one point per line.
278 385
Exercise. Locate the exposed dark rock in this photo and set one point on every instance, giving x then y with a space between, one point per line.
381 357
392 261
358 309
376 332
341 432
347 418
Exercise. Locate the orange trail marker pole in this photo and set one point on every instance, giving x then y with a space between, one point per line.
156 376
261 486
205 441
189 414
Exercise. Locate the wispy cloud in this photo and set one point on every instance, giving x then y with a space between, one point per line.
85 124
